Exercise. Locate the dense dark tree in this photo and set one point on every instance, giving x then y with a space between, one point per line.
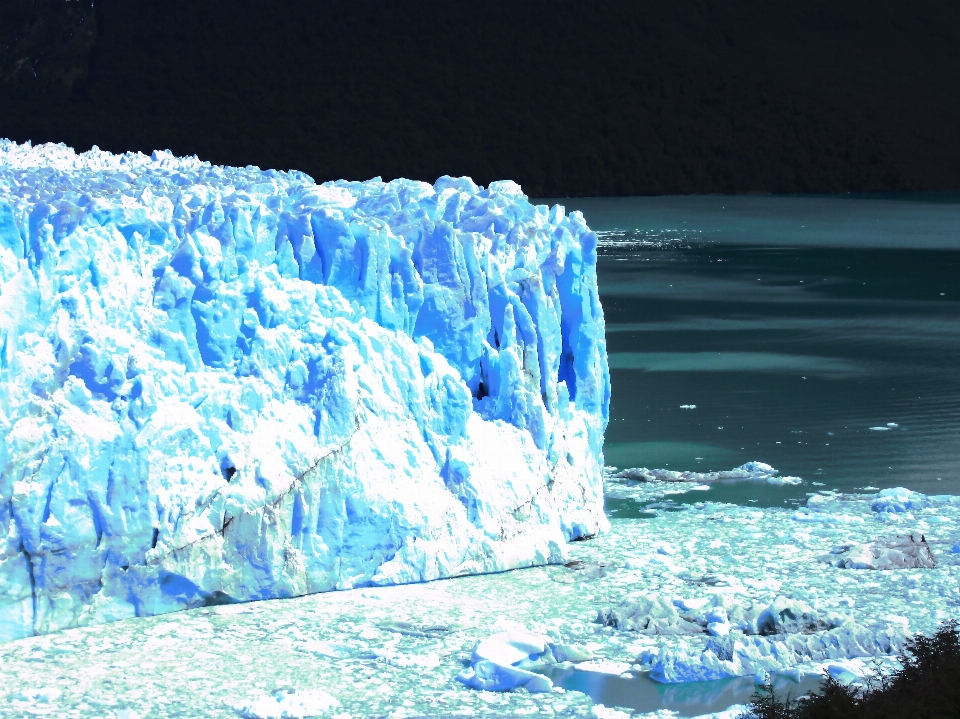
579 98
924 687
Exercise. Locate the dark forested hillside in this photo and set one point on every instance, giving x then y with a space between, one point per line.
569 98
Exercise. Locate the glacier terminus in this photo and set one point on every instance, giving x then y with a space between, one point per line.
224 384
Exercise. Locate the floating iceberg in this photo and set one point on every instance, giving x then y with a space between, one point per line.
220 384
510 659
906 551
898 500
757 471
737 655
504 661
288 705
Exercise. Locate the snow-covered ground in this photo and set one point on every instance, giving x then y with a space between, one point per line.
703 591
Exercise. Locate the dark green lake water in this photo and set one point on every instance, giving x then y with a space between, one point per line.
795 325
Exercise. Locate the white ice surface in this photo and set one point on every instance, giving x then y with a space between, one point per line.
736 711
220 384
289 705
756 471
400 648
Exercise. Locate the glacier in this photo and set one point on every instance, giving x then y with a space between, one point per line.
223 384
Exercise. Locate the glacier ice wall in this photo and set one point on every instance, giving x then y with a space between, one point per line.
221 384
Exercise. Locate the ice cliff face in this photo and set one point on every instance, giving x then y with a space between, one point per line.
221 384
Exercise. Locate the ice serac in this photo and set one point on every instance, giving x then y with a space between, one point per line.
221 384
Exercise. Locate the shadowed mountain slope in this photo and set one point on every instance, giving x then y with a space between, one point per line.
567 98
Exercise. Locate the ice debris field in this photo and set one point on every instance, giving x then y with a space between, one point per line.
697 593
221 385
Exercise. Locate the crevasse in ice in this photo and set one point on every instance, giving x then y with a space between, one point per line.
221 384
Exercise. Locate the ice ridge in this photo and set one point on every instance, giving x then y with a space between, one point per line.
223 384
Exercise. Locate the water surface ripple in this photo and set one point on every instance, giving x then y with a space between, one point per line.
798 326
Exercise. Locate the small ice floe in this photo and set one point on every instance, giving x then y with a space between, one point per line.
599 711
688 406
756 471
817 511
719 615
905 551
784 480
651 614
897 621
880 429
737 711
842 674
847 671
898 500
323 649
688 605
40 694
790 616
772 583
409 629
506 660
289 704
580 571
406 660
657 560
664 548
892 425
605 666
736 655
641 562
